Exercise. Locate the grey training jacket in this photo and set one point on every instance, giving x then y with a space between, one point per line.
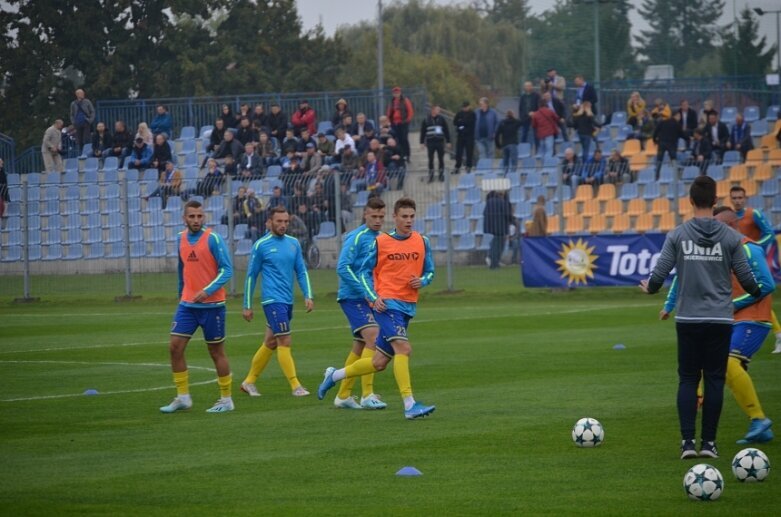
703 251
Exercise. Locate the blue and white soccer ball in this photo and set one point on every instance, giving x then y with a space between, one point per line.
750 465
703 482
588 432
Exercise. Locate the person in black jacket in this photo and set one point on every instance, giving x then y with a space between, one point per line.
687 121
497 218
666 135
585 93
277 122
464 122
702 152
161 152
717 132
528 104
507 140
434 134
4 197
122 142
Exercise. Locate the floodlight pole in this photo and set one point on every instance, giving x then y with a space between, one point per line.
597 81
380 78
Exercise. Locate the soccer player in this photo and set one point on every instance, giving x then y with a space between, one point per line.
352 299
704 252
397 266
752 224
204 267
751 327
277 258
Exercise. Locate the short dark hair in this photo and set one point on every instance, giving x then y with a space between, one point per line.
703 192
721 209
193 203
737 188
279 209
375 203
404 202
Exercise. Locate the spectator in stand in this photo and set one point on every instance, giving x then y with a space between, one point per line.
702 152
102 142
246 133
236 207
347 124
211 183
464 122
244 112
216 137
266 151
290 142
278 198
363 142
305 139
299 197
305 117
321 175
292 174
539 224
400 113
320 204
339 112
593 170
705 112
385 130
140 156
373 175
586 127
666 135
570 167
145 133
617 170
585 93
230 167
486 122
4 197
250 165
557 107
122 142
163 123
359 128
161 153
227 116
497 218
507 141
342 141
350 164
718 134
284 162
346 206
554 84
688 121
635 107
252 210
434 135
527 105
394 164
228 146
259 116
661 111
277 122
311 161
546 126
740 137
170 184
647 128
325 148
69 148
82 114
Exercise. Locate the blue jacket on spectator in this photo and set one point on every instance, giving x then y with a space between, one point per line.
143 154
162 123
594 168
492 120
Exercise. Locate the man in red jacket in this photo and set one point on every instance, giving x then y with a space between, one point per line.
546 126
305 117
400 114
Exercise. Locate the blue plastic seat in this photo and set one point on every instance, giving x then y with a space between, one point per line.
485 242
273 171
138 249
72 164
243 247
53 252
651 191
460 227
89 177
159 249
760 128
34 252
94 235
731 158
728 114
433 212
466 242
91 164
472 196
116 250
34 222
524 150
12 254
628 191
751 114
50 207
715 171
618 119
14 237
327 230
438 228
95 250
75 252
477 211
86 151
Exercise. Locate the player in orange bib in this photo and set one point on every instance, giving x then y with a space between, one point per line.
398 265
204 268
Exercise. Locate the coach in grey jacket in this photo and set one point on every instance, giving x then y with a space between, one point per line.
82 116
704 252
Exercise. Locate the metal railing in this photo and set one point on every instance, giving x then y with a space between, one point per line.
8 152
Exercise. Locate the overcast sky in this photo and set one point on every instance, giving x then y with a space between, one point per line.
332 13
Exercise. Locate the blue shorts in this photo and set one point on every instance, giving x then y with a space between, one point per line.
278 316
359 315
747 339
211 320
393 326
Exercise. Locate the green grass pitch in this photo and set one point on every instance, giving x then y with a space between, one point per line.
509 369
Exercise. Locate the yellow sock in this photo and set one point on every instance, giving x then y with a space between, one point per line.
259 362
367 381
774 321
742 387
285 359
182 382
401 372
225 385
346 386
360 367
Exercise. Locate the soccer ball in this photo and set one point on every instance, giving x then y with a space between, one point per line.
703 482
588 432
750 465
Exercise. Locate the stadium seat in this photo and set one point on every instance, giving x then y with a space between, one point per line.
752 189
110 176
604 134
690 172
111 163
646 175
154 204
324 126
188 147
524 150
472 196
644 223
433 212
667 222
186 133
53 252
439 244
613 207
597 224
466 242
636 207
731 157
116 250
591 208
239 231
738 172
769 188
666 175
652 191
760 129
660 206
516 195
273 171
50 207
624 132
574 224
618 119
136 234
95 250
13 222
763 172
34 222
715 171
570 208
91 164
75 252
584 193
467 182
438 228
533 179
14 237
86 151
159 249
774 158
51 193
621 224
751 114
361 199
554 225
628 191
684 206
523 210
457 211
528 164
485 240
722 188
51 178
650 149
477 211
772 112
138 249
72 164
89 178
12 254
244 247
34 252
637 162
728 114
755 156
460 227
157 234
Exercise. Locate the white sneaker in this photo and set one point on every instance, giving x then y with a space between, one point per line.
373 402
777 349
250 389
300 392
348 403
176 404
223 405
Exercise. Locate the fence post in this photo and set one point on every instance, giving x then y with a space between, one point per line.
338 208
26 298
449 230
560 198
126 236
231 240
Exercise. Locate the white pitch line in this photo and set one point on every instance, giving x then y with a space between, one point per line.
117 392
337 327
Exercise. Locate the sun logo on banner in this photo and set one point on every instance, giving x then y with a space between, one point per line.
577 262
